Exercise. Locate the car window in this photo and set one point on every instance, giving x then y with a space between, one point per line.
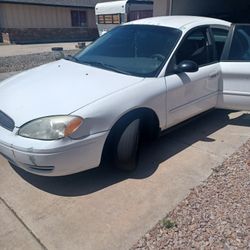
195 47
240 47
139 50
220 37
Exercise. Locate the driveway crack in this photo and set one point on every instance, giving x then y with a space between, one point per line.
23 223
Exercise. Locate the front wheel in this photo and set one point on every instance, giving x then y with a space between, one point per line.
126 146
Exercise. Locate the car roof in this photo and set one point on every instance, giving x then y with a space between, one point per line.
181 22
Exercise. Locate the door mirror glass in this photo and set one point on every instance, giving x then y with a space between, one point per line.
187 66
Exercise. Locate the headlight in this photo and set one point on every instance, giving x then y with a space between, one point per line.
51 128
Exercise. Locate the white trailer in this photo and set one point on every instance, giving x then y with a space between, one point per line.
112 14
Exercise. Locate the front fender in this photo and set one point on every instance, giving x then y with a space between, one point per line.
104 113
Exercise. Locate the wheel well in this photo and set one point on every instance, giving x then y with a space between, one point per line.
149 127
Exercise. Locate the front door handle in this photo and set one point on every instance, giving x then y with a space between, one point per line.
213 74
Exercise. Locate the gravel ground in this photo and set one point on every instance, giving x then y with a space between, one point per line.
215 215
23 62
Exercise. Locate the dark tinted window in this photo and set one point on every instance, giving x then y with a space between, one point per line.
139 50
195 47
220 37
240 47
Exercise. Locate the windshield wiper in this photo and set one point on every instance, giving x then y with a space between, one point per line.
105 66
72 58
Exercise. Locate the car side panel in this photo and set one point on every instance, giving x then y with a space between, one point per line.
234 86
189 94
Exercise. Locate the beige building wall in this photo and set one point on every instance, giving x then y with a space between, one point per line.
34 16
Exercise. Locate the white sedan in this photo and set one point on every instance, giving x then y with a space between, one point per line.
131 84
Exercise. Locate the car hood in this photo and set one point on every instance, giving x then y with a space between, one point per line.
58 88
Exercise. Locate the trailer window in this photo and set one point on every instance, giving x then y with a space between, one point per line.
109 19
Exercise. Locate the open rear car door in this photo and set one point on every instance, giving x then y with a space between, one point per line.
234 86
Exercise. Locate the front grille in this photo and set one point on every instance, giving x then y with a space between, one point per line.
6 122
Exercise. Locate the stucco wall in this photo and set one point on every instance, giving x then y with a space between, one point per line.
162 7
32 16
231 9
198 7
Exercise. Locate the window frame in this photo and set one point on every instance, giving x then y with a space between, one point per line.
171 65
224 28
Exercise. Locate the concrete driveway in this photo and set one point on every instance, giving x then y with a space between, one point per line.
105 209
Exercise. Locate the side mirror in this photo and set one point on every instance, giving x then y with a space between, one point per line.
186 66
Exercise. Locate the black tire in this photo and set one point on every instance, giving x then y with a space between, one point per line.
121 149
125 145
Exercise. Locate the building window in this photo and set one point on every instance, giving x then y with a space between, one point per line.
109 19
78 18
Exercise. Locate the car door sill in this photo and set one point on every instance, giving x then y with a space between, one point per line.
180 125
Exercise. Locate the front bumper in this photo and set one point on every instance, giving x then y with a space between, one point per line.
52 158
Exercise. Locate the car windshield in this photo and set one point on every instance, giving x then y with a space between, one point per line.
138 50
